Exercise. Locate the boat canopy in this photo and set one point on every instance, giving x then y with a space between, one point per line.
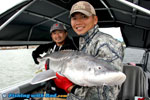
28 23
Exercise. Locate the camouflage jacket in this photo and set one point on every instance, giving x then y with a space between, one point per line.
102 46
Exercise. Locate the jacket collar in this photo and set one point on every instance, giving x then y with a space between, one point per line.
90 32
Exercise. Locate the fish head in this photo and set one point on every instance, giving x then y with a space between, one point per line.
98 66
103 73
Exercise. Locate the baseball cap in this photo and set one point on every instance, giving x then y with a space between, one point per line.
57 26
83 7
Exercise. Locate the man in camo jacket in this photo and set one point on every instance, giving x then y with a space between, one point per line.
98 44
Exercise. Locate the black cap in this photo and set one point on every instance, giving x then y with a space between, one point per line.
57 26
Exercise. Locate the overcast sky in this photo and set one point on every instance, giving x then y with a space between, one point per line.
6 4
115 32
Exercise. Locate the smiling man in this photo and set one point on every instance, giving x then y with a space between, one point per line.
100 45
60 41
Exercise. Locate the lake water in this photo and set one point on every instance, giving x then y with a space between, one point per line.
133 55
17 65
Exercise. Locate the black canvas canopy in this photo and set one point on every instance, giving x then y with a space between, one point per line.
28 23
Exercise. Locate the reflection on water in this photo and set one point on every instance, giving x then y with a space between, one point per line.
15 66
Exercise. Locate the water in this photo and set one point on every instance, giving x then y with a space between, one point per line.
17 65
133 55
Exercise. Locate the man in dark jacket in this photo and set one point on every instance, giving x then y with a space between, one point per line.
60 39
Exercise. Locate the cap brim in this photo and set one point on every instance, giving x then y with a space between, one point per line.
57 29
81 11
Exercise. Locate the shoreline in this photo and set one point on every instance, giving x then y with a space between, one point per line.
18 47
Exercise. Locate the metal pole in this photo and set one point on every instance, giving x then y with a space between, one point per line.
15 15
135 6
107 9
47 19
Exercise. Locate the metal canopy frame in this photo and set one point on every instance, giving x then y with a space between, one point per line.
146 11
108 8
15 15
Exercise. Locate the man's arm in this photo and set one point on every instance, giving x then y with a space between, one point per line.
108 49
63 83
39 50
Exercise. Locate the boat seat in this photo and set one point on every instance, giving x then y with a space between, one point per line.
135 85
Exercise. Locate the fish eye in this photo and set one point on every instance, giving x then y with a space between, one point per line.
99 67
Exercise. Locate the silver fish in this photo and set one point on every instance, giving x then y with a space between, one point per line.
81 69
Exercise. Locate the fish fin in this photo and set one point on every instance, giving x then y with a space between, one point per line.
59 59
54 59
43 76
61 55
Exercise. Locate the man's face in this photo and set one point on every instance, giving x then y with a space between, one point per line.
58 36
82 23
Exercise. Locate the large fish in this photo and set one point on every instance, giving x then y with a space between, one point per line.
80 68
